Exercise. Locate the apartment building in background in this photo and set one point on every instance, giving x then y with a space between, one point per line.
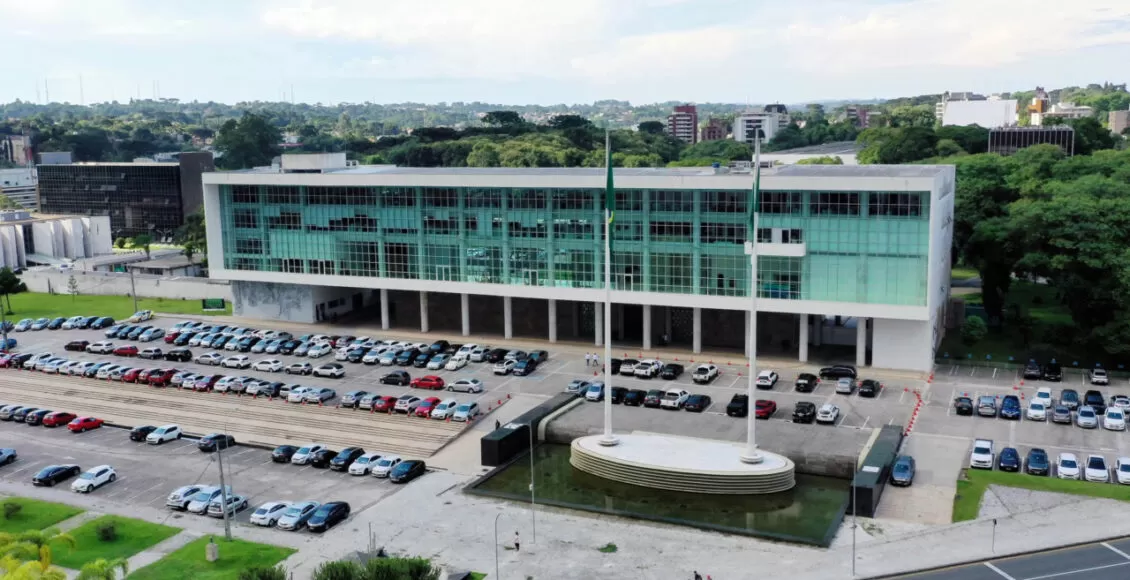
1118 121
16 149
682 124
714 130
1009 140
19 186
768 123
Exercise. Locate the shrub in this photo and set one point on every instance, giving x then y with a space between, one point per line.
107 531
11 508
400 569
611 548
973 330
338 570
264 573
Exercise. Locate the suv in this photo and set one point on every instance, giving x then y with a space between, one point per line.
804 412
1053 372
1010 407
982 455
1099 377
838 372
1032 370
806 382
1095 400
738 406
987 406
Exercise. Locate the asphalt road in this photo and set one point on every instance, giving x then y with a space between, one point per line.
1099 561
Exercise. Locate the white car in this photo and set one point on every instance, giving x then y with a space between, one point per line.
444 409
466 386
1096 470
236 504
181 496
306 453
982 455
1044 395
457 362
342 354
1099 377
271 365
1122 470
1067 466
385 464
364 465
466 412
211 358
100 347
319 350
69 324
1037 411
141 316
94 478
466 350
298 395
1114 419
331 370
203 498
374 356
648 368
674 399
239 361
407 404
106 371
828 413
232 344
628 366
703 374
268 514
767 379
504 366
163 433
479 353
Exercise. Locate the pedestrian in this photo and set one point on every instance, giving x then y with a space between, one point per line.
697 576
588 359
595 360
518 544
497 425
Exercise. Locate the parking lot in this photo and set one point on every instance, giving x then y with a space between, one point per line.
147 474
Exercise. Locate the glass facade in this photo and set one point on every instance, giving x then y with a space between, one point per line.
865 247
142 198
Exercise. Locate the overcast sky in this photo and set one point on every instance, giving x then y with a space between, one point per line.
554 51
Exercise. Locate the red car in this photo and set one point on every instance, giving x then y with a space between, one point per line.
427 382
161 377
426 406
143 376
385 404
206 383
171 336
131 376
764 409
126 350
58 418
5 360
84 424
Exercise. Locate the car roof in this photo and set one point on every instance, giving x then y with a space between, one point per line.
1067 455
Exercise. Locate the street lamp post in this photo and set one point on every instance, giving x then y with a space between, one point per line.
533 503
751 455
496 516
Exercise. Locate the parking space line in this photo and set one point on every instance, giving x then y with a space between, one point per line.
1116 550
147 490
990 566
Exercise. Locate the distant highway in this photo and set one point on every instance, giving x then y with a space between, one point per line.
1098 561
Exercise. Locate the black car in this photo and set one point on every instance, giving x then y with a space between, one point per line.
346 458
322 459
140 433
496 355
963 406
526 367
17 362
247 342
653 398
400 378
806 382
355 355
618 394
56 323
438 346
635 397
283 453
1037 462
76 345
421 360
36 417
697 403
183 338
103 322
869 388
179 355
93 371
406 356
21 415
215 441
407 471
615 368
738 406
53 474
270 390
1032 370
1009 459
220 341
836 372
123 331
88 322
327 516
1053 371
671 371
804 412
289 346
1095 400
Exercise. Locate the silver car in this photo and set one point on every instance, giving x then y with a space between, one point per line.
1086 417
297 515
181 496
203 499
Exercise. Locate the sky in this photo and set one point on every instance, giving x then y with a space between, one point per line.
554 51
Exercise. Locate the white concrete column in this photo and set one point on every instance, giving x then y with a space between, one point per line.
598 323
507 317
552 320
860 341
423 311
803 338
696 322
384 309
465 306
647 327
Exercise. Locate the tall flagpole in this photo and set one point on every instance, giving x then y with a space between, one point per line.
751 454
609 200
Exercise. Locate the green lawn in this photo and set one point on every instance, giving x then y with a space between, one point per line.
31 305
36 514
967 500
133 537
963 273
188 563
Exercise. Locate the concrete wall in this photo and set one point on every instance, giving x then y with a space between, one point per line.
284 302
902 344
118 284
98 235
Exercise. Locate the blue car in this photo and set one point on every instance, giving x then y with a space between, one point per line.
40 324
1037 463
8 345
902 472
1009 459
24 325
1010 407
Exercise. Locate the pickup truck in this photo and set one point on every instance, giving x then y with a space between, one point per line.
982 455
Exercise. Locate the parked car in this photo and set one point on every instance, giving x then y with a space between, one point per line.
987 406
1061 414
504 366
963 406
215 441
635 397
1114 419
84 424
428 382
58 418
36 417
203 499
806 382
384 465
1069 398
902 472
296 516
467 385
869 388
444 409
283 453
1067 466
525 367
652 400
141 432
697 403
836 372
466 412
304 454
982 456
1086 417
1008 459
1037 411
1010 407
1053 371
94 478
674 399
384 404
299 368
671 371
163 434
327 516
1037 462
845 386
319 395
764 408
407 403
76 345
268 514
330 370
1122 470
704 373
1032 370
345 458
767 379
1095 400
407 471
1099 376
804 412
424 409
53 474
322 459
828 413
363 464
1096 469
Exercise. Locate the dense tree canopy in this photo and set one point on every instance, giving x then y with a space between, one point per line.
250 142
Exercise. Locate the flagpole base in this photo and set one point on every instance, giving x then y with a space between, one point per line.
609 440
752 457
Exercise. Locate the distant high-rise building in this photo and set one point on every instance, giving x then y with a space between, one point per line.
747 125
18 185
1065 110
683 124
715 130
780 110
1009 140
16 149
1119 121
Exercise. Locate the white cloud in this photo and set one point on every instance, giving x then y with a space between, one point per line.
106 20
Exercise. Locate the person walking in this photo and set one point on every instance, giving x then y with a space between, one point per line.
697 576
595 360
518 544
588 360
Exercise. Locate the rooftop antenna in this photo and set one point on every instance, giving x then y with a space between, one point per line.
37 95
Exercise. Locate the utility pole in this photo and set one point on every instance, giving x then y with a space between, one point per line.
533 503
132 288
853 525
223 489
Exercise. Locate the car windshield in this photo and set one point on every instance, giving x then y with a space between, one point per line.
463 408
293 512
1096 463
1037 406
594 389
303 450
203 496
86 476
1124 468
362 460
902 467
671 396
981 450
1087 413
1069 463
384 463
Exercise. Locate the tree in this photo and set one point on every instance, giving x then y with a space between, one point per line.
142 242
483 154
35 545
13 568
189 250
973 330
651 127
193 232
823 160
72 287
10 284
721 149
948 148
103 569
250 142
502 119
895 145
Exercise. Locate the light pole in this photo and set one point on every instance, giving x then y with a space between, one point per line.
751 455
132 287
496 516
533 503
853 526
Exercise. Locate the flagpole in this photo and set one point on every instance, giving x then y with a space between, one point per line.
609 198
751 455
